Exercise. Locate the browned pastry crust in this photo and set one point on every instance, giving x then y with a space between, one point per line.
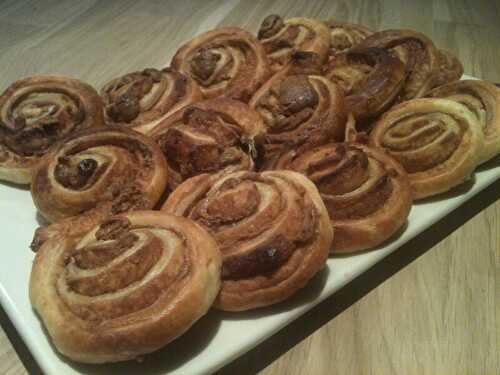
371 79
36 112
140 100
209 136
125 288
450 68
418 54
366 192
438 142
227 61
345 35
483 99
93 174
298 108
352 134
272 228
282 38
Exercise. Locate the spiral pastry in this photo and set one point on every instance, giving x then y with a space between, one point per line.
282 38
418 54
371 79
450 68
227 61
345 35
127 287
366 192
140 100
271 227
36 112
209 136
93 174
437 141
483 99
297 109
352 134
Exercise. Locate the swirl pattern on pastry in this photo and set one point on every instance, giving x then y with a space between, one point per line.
438 142
209 136
450 68
227 61
345 35
371 79
272 229
140 100
352 134
36 112
93 174
299 108
483 99
418 54
127 287
282 38
366 192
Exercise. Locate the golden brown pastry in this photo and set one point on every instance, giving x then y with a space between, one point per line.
450 68
209 136
438 142
366 192
227 61
272 229
345 35
282 38
352 134
140 100
418 54
483 99
36 112
93 174
299 106
371 79
125 288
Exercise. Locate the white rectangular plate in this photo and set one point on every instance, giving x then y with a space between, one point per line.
216 339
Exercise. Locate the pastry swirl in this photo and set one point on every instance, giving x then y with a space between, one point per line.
36 112
93 174
272 229
345 35
127 287
209 136
282 38
299 108
140 100
418 54
227 61
438 142
371 79
352 134
366 192
483 99
450 68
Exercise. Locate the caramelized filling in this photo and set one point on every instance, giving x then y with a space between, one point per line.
205 141
38 118
270 26
135 93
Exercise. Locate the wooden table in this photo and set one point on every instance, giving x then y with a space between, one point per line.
433 307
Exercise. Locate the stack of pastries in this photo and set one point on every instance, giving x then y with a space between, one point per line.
228 178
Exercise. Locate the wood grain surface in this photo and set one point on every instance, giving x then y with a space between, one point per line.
433 307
